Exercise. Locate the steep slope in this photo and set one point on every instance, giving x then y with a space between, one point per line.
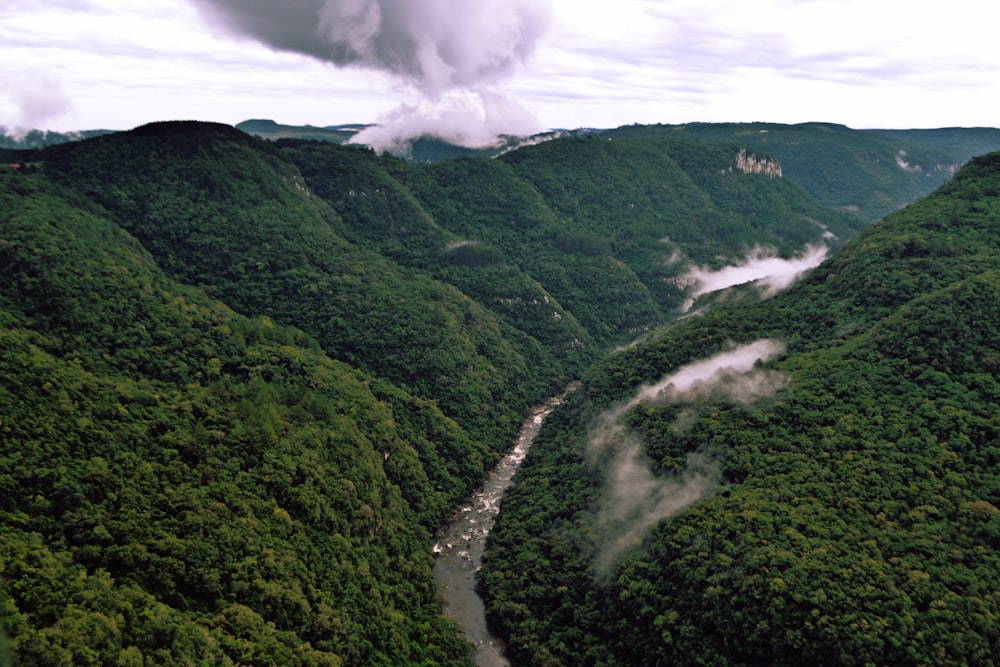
377 199
596 231
221 209
180 484
488 203
841 494
661 204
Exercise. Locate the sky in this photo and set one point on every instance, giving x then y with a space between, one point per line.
492 66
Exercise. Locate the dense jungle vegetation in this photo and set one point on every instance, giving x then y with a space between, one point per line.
183 484
242 382
855 519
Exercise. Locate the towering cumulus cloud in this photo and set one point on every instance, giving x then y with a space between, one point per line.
634 498
435 46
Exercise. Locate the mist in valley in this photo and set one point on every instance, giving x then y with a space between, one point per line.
634 496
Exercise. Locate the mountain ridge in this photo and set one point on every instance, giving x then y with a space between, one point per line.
870 172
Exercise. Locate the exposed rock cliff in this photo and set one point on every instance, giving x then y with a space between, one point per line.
749 163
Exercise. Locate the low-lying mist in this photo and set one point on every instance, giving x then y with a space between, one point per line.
634 497
473 119
761 266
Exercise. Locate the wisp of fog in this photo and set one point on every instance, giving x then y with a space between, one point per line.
36 101
634 497
761 267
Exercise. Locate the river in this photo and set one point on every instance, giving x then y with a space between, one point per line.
459 544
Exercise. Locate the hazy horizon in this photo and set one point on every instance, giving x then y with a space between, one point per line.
497 66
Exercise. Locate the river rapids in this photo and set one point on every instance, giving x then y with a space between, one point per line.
459 544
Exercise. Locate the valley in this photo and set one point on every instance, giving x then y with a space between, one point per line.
458 546
245 382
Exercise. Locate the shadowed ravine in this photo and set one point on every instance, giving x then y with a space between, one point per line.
459 544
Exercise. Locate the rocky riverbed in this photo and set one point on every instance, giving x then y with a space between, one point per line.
459 544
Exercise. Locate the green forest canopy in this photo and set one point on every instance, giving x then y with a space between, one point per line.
244 382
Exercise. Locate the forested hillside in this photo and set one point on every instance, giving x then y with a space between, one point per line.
181 483
603 227
869 172
835 502
242 382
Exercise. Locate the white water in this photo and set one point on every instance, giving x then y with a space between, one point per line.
459 544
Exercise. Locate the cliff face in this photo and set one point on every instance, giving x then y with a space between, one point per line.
749 163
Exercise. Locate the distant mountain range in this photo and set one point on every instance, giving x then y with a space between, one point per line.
869 173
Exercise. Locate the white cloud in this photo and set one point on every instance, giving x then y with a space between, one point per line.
33 102
473 119
717 373
890 63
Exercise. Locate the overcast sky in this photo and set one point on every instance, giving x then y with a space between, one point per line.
519 64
